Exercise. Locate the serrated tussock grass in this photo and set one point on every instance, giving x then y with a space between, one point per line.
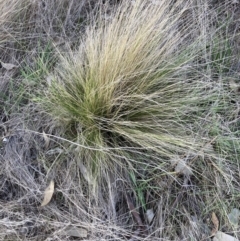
135 87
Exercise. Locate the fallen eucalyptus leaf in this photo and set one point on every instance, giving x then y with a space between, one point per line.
220 236
215 224
8 66
234 216
48 194
76 232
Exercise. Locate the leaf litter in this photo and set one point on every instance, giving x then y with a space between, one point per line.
8 66
215 222
149 215
181 166
76 232
220 236
48 194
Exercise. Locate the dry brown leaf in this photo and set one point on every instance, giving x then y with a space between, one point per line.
46 139
220 236
215 224
48 194
8 66
76 232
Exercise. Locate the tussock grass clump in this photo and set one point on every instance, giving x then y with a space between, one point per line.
133 86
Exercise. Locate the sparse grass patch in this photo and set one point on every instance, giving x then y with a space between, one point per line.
42 64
